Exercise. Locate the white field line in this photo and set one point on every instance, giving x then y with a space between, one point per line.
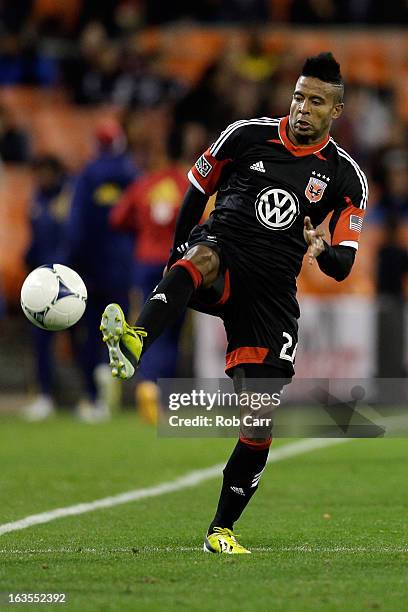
191 479
183 549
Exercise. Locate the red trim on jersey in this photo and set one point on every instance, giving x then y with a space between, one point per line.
342 230
256 444
194 272
298 150
245 354
320 156
212 168
226 292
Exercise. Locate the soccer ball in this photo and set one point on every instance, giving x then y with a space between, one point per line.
53 297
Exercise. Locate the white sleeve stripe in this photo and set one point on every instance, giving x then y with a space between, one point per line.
215 147
362 179
357 168
194 181
361 176
350 243
224 132
231 128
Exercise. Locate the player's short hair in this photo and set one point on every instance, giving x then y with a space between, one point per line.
324 67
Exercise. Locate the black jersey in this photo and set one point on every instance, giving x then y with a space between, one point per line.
266 186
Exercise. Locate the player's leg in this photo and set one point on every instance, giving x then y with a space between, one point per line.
43 406
88 358
243 471
198 268
161 359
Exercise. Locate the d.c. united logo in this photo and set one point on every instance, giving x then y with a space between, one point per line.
315 189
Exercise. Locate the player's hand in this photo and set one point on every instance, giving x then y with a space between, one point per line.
314 239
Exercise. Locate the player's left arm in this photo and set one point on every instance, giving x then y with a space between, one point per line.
204 177
336 260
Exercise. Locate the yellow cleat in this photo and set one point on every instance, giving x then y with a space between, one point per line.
124 342
222 540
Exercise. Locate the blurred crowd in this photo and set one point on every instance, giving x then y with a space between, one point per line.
113 223
108 65
126 198
119 16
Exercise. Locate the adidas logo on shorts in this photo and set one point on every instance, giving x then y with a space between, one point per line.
238 490
159 296
258 166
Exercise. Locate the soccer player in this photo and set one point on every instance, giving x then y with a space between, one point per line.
276 180
47 216
149 209
102 256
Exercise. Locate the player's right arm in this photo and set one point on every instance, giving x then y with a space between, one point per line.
204 177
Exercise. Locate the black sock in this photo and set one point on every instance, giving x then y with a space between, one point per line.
241 478
168 300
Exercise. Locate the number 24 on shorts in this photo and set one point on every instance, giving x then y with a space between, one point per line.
284 354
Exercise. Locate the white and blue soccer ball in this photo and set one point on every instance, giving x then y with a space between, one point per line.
53 297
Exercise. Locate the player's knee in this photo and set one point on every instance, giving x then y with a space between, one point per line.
257 443
206 261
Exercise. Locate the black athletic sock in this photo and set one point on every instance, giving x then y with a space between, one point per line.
241 478
168 300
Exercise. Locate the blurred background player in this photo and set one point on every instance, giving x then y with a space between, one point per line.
14 141
149 208
100 255
48 212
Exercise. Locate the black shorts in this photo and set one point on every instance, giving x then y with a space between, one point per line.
261 320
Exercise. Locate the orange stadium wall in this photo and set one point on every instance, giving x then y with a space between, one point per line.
370 56
58 127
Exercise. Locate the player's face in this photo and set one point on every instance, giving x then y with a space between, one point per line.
314 106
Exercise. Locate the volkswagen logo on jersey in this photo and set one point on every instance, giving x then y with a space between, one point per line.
276 208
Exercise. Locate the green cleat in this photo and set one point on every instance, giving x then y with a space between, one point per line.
222 540
124 342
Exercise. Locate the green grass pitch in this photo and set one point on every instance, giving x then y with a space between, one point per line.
328 528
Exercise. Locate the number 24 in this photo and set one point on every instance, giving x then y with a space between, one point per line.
284 354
